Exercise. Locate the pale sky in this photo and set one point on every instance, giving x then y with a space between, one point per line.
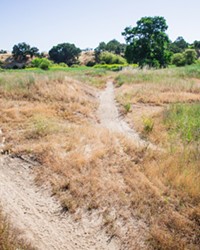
44 23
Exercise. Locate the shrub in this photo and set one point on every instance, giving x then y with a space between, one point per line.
42 63
62 64
148 124
110 58
127 107
90 63
190 56
75 66
36 62
178 59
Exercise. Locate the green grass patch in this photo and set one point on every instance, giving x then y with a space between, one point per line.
112 67
181 79
184 120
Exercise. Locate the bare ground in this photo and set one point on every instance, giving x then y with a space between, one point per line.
35 212
110 118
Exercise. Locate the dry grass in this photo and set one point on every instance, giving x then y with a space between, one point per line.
10 238
52 118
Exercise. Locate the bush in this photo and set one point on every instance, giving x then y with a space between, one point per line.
110 58
42 63
190 56
148 124
178 59
75 66
62 64
127 107
90 63
44 66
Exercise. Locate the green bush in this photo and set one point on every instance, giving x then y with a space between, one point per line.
75 66
190 56
127 107
44 66
62 64
178 59
110 58
42 63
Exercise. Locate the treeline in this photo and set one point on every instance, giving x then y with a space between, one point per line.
147 44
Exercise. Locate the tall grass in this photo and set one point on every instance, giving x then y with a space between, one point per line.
170 77
10 238
184 121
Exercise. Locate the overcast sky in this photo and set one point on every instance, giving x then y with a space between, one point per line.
44 23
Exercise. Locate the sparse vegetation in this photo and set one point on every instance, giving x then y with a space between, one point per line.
53 116
10 238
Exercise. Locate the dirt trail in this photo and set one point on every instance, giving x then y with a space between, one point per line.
36 213
110 118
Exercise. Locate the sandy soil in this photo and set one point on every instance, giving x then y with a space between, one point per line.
110 118
39 215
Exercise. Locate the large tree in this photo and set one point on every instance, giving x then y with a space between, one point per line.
64 52
179 45
147 42
21 50
113 46
196 46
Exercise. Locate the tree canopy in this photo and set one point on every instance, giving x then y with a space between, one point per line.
64 52
147 42
113 46
179 45
21 50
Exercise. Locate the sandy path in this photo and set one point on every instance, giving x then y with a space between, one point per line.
38 215
109 117
35 212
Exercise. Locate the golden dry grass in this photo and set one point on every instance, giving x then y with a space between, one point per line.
53 119
10 238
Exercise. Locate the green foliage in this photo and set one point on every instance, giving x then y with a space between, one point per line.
179 45
110 58
184 120
112 67
21 50
178 59
148 124
127 107
148 42
196 46
64 65
112 46
64 52
42 63
190 56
